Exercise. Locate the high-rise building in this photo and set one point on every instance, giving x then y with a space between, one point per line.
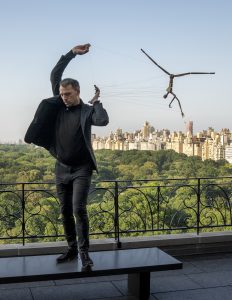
189 128
228 153
146 130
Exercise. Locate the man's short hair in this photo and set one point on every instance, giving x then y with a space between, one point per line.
69 81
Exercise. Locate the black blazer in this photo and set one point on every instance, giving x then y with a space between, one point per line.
42 128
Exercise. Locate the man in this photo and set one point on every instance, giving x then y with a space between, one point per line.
62 124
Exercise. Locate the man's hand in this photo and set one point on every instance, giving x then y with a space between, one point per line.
81 49
96 96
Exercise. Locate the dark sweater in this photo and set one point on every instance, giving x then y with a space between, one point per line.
69 145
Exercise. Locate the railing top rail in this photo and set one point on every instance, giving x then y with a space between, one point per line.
123 180
164 179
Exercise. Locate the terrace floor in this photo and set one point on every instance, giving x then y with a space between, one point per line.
203 277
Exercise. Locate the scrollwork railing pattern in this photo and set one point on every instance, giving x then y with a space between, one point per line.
117 208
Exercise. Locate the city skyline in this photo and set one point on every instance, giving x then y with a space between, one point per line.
188 125
182 36
206 144
165 128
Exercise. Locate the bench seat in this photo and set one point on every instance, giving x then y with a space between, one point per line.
137 263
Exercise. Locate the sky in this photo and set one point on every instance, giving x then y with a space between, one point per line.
180 35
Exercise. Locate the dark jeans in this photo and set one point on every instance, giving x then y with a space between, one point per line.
73 185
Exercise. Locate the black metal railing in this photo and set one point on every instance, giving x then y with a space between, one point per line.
118 208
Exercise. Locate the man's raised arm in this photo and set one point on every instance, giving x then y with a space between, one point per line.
57 72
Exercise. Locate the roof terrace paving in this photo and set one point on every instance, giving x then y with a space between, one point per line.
203 277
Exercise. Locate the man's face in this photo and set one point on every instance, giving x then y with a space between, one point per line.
69 95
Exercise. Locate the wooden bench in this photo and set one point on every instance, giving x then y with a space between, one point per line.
137 263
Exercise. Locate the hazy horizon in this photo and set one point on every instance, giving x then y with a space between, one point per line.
130 131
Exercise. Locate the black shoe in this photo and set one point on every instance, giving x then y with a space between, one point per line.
85 259
71 254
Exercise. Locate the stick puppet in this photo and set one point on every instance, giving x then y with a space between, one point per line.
171 79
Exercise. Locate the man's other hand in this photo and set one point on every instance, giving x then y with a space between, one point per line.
96 96
81 49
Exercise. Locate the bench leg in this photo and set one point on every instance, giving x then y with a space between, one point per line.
139 285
